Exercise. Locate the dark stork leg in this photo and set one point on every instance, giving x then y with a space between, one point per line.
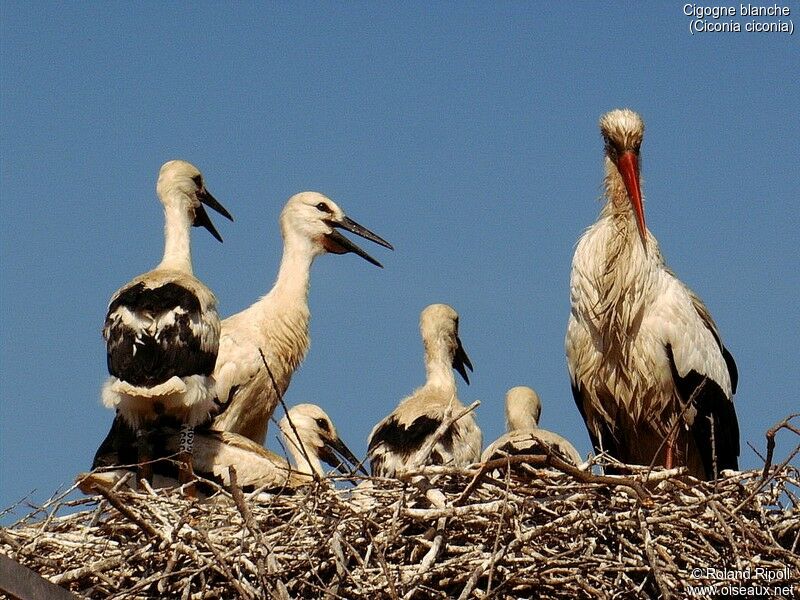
185 471
144 452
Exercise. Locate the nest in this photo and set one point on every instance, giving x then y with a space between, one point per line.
513 528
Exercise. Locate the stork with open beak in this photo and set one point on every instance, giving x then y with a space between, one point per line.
162 329
649 372
397 441
278 323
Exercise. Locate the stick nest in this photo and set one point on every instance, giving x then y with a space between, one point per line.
482 532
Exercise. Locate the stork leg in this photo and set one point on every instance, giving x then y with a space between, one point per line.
669 456
144 453
669 452
185 470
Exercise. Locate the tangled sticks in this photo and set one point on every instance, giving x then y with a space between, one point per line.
499 533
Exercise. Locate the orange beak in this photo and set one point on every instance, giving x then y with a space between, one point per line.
628 165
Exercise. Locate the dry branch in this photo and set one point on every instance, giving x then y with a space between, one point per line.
545 529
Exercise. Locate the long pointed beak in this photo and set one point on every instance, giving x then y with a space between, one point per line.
461 360
628 165
201 218
338 455
336 243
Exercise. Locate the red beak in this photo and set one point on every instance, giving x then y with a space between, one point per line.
628 165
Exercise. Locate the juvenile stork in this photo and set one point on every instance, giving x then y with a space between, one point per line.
307 433
649 372
523 409
398 440
277 324
162 328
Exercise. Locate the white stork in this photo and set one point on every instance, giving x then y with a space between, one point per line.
397 440
162 328
277 324
649 372
523 409
307 433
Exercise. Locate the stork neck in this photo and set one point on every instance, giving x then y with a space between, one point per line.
308 465
294 275
439 368
177 243
521 419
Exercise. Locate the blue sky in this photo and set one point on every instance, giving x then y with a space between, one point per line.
464 133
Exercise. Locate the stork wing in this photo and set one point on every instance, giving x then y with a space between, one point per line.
532 441
705 373
708 321
214 452
155 331
237 364
599 424
391 442
118 447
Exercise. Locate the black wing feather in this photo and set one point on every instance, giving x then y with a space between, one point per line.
716 416
146 360
404 441
118 447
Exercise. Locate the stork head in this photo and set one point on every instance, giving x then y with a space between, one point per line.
181 183
316 435
438 324
623 131
317 219
523 408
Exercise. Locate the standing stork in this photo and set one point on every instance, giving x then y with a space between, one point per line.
523 409
399 439
277 324
649 372
162 328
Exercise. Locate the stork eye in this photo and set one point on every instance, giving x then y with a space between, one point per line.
198 180
611 149
324 207
322 423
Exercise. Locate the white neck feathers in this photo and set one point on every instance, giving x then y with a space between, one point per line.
305 458
177 242
439 366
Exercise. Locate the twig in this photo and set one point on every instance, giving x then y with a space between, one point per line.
651 556
770 435
425 451
117 503
298 443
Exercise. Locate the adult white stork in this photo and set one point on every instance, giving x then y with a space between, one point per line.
307 433
523 410
649 372
398 440
162 328
277 324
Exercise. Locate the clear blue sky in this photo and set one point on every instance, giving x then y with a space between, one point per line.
464 133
